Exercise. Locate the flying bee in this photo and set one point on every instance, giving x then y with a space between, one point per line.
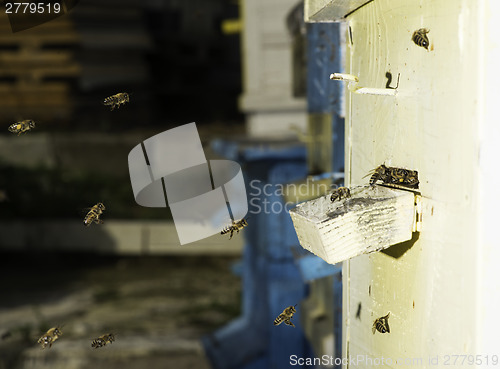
94 214
103 340
286 316
22 126
116 100
381 324
339 193
420 37
50 337
235 227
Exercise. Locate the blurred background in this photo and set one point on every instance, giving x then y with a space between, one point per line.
237 69
171 56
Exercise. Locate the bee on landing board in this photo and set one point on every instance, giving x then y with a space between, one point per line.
394 176
116 100
419 37
339 193
404 177
50 337
379 173
22 126
103 340
286 316
94 214
381 324
235 227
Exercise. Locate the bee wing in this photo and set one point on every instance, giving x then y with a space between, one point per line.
87 209
84 211
386 323
59 327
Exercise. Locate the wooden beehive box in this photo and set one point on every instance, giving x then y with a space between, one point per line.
441 289
372 219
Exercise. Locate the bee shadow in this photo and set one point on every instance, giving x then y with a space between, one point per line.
399 249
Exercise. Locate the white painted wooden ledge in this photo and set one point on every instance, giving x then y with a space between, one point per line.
372 219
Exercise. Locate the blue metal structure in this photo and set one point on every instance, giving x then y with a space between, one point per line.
271 278
324 97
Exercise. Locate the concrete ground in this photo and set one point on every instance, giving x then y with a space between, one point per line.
157 307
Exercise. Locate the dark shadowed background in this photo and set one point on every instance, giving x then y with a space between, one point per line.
178 66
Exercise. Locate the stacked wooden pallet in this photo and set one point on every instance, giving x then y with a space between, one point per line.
37 69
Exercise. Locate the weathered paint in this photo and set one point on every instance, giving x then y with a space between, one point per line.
371 219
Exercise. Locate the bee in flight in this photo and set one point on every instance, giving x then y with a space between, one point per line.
286 316
381 324
116 100
103 340
339 193
50 337
22 126
420 37
94 214
235 227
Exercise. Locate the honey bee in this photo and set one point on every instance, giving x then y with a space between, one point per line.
50 337
420 37
339 193
94 214
103 340
381 324
381 172
235 226
286 316
395 176
116 100
22 126
404 177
